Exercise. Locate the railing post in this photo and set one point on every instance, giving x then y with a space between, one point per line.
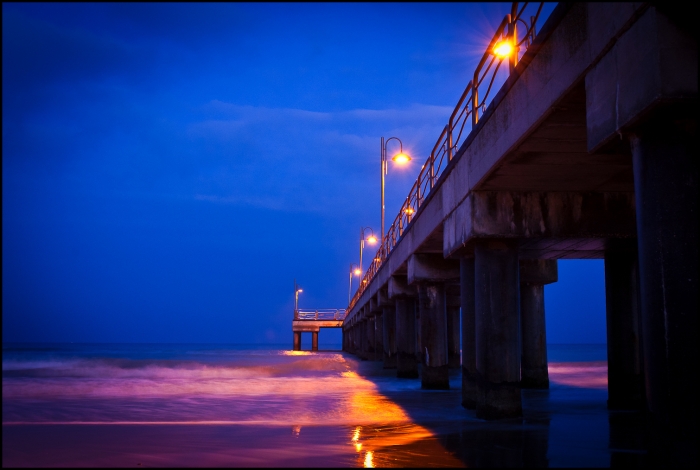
432 170
475 99
449 140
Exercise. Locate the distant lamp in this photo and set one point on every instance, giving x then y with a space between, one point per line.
503 48
371 239
409 210
354 269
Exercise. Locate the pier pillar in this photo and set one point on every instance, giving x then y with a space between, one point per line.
497 309
625 379
314 340
404 298
452 306
364 354
379 337
431 302
389 330
370 338
664 156
469 388
297 340
430 272
534 274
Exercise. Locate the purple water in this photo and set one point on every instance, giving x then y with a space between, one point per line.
238 405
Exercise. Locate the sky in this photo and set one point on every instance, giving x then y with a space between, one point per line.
170 169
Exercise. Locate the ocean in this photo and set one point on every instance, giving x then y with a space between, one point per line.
208 405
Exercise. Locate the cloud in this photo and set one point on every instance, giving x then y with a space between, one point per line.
322 157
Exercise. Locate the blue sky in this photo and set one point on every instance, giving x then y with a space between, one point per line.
168 170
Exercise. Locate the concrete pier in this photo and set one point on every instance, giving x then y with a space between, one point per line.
625 377
430 273
297 340
496 300
314 340
534 274
389 330
469 388
452 307
404 297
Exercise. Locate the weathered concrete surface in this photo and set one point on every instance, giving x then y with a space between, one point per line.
469 387
564 224
389 335
497 332
406 361
423 267
534 274
452 311
433 324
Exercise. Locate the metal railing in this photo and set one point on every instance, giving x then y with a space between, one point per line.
320 314
470 105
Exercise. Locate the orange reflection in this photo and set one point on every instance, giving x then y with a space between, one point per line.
369 459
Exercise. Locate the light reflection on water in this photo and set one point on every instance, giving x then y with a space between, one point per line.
337 416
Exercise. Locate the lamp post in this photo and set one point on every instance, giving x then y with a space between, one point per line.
356 271
398 158
297 289
371 239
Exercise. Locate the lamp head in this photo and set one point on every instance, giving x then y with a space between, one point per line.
503 48
372 239
357 271
401 158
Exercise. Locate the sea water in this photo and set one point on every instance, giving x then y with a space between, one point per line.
138 405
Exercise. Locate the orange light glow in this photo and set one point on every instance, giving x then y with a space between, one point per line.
401 158
372 239
409 210
364 280
503 49
358 272
369 459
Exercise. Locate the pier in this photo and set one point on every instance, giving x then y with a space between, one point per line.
587 151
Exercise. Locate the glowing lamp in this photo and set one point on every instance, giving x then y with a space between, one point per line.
503 49
372 239
401 158
358 272
409 210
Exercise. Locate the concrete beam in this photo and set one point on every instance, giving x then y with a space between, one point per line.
538 271
399 287
425 267
525 215
622 90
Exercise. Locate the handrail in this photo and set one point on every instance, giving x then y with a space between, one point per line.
444 150
321 314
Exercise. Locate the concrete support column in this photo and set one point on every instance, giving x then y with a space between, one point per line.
665 169
379 338
314 340
534 369
406 362
297 340
370 338
469 388
625 379
452 306
534 274
389 330
431 303
362 336
497 309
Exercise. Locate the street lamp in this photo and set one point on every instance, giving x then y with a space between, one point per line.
297 289
399 158
356 271
371 239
